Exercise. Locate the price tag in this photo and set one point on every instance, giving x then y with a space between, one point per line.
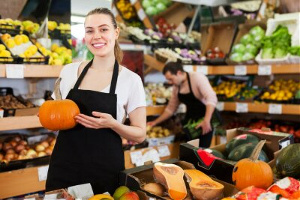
264 70
240 70
137 46
275 109
163 151
1 113
241 107
220 106
14 71
136 157
132 2
42 172
151 155
188 68
285 144
141 14
203 69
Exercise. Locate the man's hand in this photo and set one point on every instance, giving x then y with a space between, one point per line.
101 120
205 125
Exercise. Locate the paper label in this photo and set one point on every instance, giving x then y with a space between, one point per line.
163 151
241 107
203 69
151 155
137 46
132 2
137 158
220 106
42 172
208 150
188 68
1 113
141 14
240 70
285 144
275 109
264 70
14 71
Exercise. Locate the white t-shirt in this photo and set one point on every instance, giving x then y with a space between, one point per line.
130 91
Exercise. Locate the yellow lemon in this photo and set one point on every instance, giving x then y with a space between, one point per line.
2 47
10 43
28 53
22 55
5 37
58 61
18 39
25 38
5 53
33 49
54 46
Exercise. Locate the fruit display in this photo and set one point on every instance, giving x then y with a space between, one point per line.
157 93
10 24
58 55
64 28
248 94
295 51
164 27
5 55
128 13
154 7
194 55
21 46
17 148
281 90
157 132
167 54
30 26
214 53
248 46
229 89
124 193
11 102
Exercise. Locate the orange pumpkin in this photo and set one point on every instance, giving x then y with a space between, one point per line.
58 114
252 172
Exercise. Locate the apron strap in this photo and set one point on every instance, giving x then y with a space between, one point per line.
189 81
83 73
114 78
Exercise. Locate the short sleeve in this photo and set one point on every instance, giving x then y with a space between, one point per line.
137 96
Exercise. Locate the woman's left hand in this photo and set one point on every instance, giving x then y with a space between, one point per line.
101 120
205 125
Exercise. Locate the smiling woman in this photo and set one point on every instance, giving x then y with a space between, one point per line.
106 93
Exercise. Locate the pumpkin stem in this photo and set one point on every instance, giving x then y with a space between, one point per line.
255 154
57 89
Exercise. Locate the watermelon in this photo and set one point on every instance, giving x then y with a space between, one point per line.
245 151
241 139
288 161
215 153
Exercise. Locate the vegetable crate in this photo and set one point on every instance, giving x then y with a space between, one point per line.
222 169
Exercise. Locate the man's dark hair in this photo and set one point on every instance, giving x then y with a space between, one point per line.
173 68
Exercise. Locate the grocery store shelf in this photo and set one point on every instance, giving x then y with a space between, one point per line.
18 182
23 122
287 109
250 69
34 71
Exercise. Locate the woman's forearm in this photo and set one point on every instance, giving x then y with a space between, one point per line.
209 111
133 133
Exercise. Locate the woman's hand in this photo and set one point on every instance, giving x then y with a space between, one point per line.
205 125
151 123
101 120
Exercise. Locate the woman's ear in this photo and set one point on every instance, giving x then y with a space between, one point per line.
117 32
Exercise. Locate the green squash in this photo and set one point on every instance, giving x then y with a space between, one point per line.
241 139
288 161
245 151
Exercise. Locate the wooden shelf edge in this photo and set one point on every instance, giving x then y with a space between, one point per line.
35 71
22 122
155 110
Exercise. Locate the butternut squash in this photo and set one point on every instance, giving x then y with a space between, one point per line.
202 186
171 177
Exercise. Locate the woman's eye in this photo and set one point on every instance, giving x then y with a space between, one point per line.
88 31
104 29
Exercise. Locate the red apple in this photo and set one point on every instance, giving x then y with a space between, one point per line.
129 196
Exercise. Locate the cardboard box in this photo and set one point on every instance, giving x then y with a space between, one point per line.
218 35
242 30
222 169
135 178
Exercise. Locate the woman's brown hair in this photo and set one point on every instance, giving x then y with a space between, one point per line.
117 49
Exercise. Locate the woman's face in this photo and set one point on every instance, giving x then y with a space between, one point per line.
100 34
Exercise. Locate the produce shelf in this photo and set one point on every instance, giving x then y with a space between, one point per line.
287 109
23 122
34 71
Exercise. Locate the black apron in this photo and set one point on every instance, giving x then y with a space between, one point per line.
195 110
85 155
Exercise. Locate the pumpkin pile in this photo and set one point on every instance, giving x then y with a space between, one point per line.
58 114
170 180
